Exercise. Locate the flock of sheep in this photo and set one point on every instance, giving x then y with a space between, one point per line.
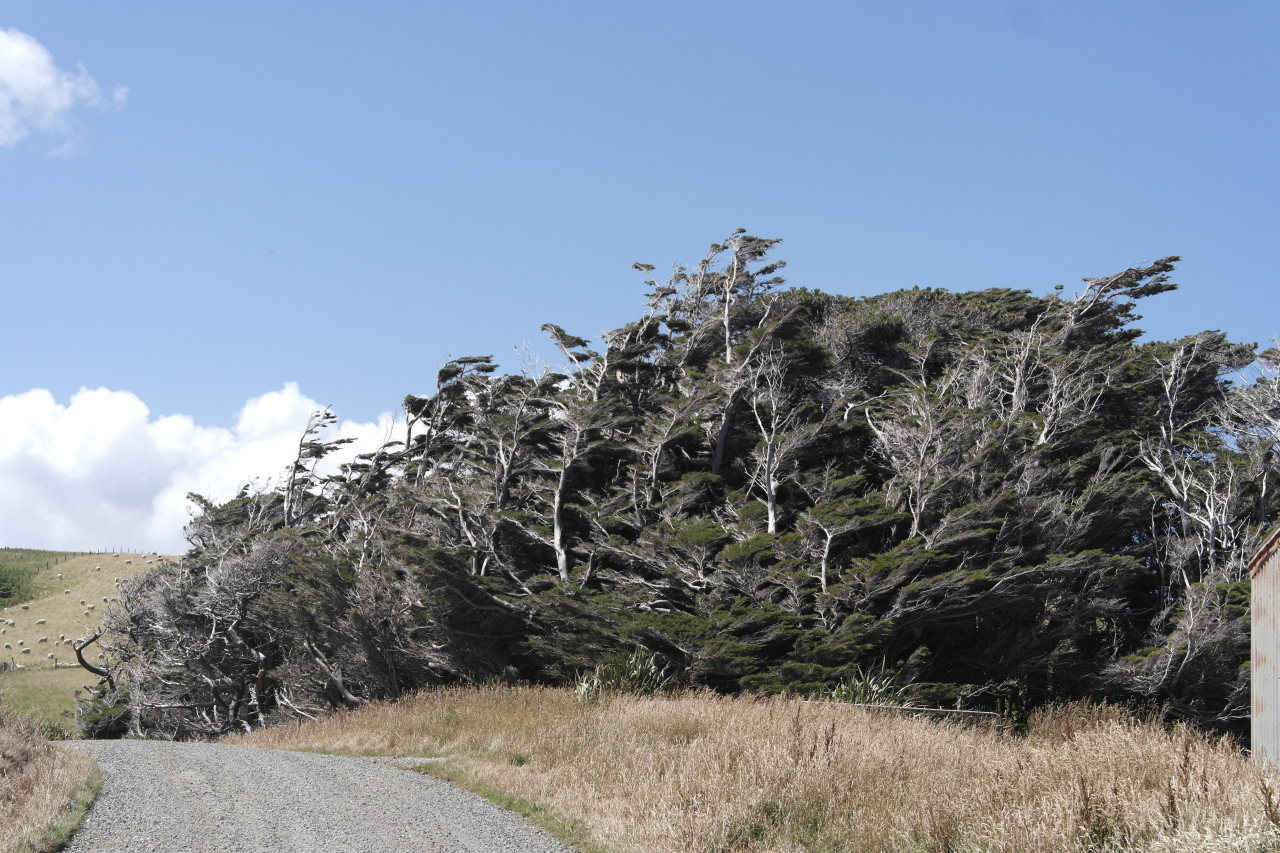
62 639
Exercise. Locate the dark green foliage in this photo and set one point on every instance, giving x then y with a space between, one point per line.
999 498
101 718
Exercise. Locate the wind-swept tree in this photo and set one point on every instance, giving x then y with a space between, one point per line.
1003 497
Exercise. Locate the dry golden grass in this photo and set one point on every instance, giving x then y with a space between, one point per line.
40 783
62 612
708 773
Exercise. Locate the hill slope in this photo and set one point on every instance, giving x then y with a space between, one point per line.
18 566
68 598
41 681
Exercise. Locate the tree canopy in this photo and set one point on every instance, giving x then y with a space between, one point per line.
1005 499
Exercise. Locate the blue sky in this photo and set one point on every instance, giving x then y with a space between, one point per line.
342 196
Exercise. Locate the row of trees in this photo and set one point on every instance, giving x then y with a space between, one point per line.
1005 498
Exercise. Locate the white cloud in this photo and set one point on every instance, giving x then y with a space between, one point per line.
101 473
37 95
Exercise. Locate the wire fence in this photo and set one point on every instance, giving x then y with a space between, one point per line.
58 557
1000 721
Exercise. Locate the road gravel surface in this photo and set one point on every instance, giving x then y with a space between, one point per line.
167 797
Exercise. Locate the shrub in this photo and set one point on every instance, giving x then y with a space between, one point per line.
637 673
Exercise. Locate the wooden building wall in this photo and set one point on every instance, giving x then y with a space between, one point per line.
1264 571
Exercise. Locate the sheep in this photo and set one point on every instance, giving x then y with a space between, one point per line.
83 602
105 599
66 592
41 621
86 613
50 656
59 575
19 666
62 637
97 568
3 630
22 642
25 606
8 645
42 640
91 606
25 652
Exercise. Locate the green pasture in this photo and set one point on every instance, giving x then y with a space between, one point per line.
45 695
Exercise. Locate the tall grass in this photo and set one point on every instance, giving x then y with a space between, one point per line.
697 772
44 788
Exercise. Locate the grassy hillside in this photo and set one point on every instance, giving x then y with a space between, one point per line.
18 566
697 771
65 601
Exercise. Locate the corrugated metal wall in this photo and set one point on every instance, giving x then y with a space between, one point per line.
1265 632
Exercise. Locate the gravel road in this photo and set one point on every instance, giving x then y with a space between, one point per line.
160 796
